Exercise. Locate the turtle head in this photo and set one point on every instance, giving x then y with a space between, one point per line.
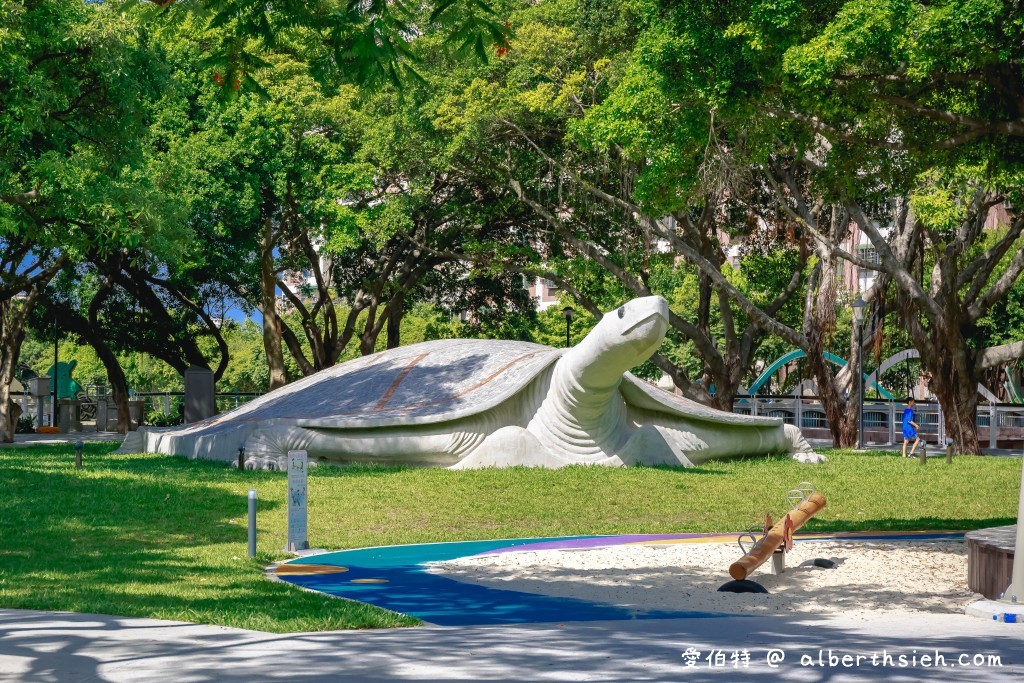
623 339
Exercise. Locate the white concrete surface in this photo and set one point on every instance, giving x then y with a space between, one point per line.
995 610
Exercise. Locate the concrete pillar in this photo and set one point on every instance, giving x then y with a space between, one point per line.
70 415
200 401
40 389
135 409
799 411
101 413
892 423
993 425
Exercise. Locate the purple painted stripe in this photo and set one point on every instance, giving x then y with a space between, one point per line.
604 541
595 542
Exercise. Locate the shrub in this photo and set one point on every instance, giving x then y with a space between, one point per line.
26 425
156 418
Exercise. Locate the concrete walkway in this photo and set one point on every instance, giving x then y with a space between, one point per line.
934 451
53 439
75 648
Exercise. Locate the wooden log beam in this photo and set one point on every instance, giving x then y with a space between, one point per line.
763 549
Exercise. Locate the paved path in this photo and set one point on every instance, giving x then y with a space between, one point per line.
53 439
934 451
76 648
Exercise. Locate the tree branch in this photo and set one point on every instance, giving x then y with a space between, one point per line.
1000 355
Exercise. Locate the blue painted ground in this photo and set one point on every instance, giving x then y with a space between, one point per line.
439 600
405 586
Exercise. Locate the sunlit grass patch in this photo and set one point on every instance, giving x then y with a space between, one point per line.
149 535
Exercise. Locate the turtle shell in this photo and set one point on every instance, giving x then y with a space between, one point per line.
640 394
434 381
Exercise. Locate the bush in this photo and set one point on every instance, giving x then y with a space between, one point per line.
26 425
156 418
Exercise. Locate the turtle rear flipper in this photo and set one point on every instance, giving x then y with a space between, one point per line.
799 449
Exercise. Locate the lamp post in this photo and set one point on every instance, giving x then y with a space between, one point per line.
858 318
56 371
568 312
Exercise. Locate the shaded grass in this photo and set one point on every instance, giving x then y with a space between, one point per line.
149 535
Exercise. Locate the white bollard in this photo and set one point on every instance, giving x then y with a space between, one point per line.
252 523
1015 592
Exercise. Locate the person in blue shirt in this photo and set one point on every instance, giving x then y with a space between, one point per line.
910 429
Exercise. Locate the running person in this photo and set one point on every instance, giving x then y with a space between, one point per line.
910 429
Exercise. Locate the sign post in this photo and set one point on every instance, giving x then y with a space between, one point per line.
298 463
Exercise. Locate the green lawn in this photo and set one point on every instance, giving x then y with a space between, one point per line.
147 535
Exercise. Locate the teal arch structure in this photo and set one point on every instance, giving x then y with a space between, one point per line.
800 353
67 387
1012 390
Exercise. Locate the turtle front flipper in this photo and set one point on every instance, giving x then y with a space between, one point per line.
799 449
654 445
510 447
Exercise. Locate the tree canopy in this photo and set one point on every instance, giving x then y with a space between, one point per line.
267 190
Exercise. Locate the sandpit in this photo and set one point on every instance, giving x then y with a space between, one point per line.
870 577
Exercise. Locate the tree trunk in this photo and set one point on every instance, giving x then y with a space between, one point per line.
11 335
819 321
956 387
728 384
9 349
271 322
368 337
367 344
840 413
395 322
118 382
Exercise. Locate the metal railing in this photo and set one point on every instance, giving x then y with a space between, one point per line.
164 402
883 420
170 402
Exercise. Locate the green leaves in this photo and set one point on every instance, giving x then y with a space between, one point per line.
357 41
82 81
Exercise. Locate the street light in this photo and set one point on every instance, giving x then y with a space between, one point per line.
568 312
56 370
859 307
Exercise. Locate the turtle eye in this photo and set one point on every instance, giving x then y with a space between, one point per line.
622 312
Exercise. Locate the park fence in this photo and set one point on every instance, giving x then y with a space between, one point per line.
144 406
1000 425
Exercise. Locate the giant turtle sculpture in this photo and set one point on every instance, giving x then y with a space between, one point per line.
469 403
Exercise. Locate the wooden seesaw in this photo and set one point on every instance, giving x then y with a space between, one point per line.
775 541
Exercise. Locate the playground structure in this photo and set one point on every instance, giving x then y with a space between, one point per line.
67 386
797 354
77 406
775 541
1000 424
872 380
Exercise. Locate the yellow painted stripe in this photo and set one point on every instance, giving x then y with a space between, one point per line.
295 569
